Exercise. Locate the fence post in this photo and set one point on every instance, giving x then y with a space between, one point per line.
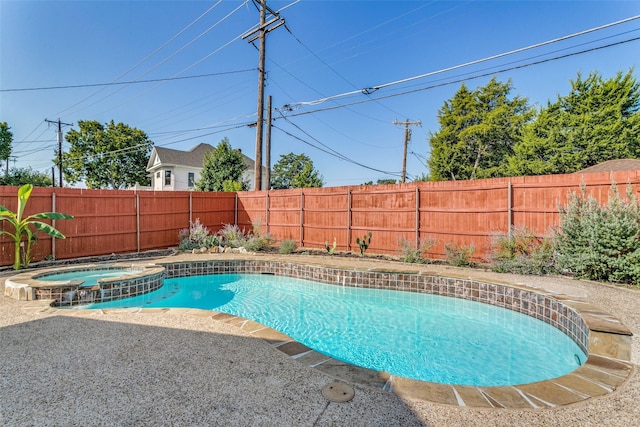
190 208
266 213
53 222
417 217
235 212
348 218
138 220
509 208
301 217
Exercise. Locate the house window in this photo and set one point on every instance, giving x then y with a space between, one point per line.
167 177
191 177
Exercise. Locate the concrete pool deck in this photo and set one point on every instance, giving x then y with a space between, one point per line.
185 367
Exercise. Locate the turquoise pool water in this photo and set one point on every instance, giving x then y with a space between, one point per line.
89 277
420 336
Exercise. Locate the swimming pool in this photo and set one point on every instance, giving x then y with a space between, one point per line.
409 334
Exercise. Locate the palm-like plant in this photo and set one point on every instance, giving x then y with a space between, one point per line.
21 225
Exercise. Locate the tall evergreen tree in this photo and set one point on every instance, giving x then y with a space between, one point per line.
222 169
598 120
295 171
478 130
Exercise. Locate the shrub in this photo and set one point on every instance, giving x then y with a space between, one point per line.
232 236
413 254
288 246
195 237
459 255
257 243
600 242
522 252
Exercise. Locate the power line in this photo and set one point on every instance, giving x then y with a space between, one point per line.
517 67
147 57
330 67
175 75
328 149
157 65
369 90
206 134
128 82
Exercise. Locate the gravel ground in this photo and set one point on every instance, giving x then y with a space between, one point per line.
67 368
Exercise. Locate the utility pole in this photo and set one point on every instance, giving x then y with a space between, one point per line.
260 34
407 138
59 144
267 146
14 164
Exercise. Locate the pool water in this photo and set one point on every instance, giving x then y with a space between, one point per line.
89 277
419 336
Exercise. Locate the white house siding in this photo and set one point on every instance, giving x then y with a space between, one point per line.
180 178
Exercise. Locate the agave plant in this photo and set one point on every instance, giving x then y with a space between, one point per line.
21 225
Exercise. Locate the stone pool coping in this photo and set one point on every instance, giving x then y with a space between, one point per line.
605 371
27 285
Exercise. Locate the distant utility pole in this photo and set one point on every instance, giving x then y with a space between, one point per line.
260 34
407 138
59 144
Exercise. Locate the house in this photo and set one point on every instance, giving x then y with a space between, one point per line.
175 170
613 165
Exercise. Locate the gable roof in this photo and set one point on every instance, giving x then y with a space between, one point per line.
192 158
613 165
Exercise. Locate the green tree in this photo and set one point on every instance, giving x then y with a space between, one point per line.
21 176
597 121
478 130
295 171
382 181
6 137
107 156
222 164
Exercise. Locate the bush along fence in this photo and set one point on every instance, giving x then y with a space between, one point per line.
457 218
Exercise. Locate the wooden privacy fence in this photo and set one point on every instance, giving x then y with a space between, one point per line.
460 212
115 221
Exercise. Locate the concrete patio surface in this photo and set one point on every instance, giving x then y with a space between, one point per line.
184 368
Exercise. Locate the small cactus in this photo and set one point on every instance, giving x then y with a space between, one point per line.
364 243
330 249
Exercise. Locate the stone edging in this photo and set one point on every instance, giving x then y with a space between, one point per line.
26 286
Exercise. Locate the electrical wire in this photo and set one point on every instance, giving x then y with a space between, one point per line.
333 69
179 33
177 74
328 149
372 89
199 76
157 65
517 67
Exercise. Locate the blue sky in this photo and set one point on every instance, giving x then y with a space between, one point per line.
329 48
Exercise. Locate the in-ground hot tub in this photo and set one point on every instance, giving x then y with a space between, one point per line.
85 283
